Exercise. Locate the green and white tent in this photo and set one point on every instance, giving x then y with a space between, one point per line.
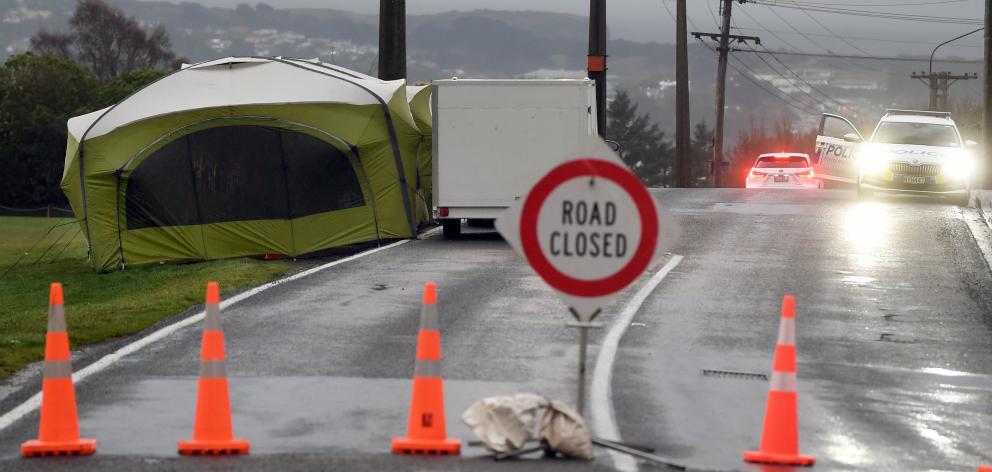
245 156
420 106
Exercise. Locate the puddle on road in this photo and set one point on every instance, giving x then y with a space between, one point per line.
277 414
857 280
770 209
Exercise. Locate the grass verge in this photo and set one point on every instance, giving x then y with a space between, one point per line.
98 306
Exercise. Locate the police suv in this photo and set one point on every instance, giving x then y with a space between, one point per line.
910 151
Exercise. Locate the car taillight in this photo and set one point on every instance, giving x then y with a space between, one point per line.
807 173
755 173
443 211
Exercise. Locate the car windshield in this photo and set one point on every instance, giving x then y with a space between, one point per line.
784 162
922 134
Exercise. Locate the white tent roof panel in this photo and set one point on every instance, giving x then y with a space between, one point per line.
237 81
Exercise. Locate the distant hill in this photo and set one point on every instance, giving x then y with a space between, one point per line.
495 44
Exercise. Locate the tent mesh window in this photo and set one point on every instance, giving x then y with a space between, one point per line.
240 173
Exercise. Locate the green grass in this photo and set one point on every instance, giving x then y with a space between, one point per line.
98 306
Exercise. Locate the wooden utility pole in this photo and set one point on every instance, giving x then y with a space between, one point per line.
987 92
721 99
940 84
597 59
683 165
392 39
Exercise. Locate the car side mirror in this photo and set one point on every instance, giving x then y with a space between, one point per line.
614 146
970 143
852 138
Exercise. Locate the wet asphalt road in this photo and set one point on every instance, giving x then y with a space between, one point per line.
894 340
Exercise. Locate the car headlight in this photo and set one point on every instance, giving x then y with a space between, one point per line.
872 162
958 166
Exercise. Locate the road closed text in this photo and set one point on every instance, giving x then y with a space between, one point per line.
588 231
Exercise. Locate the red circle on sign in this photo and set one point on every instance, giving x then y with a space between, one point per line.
645 209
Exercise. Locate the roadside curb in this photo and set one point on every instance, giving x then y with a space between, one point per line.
983 202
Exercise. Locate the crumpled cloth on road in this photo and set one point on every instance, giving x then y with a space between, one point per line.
505 423
565 431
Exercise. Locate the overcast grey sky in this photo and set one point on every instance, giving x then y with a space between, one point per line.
647 20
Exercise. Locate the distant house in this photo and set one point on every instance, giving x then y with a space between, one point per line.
857 84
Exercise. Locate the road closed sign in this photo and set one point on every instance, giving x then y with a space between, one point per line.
589 228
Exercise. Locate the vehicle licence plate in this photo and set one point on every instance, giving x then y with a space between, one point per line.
781 178
914 180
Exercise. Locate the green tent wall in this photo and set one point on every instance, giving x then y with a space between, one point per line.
420 106
246 156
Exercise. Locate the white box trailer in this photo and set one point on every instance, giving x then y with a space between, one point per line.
494 138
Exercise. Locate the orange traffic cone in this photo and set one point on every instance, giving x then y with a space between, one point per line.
780 438
426 428
58 433
985 468
212 431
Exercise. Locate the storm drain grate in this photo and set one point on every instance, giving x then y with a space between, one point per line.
734 375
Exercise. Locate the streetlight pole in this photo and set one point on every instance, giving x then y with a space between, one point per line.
951 41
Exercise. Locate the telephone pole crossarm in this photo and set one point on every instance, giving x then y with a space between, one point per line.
940 84
731 37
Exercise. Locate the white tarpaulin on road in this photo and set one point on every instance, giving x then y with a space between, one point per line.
505 424
565 431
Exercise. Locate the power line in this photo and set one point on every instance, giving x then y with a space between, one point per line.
815 43
870 13
664 3
785 98
744 74
834 34
828 30
791 83
811 86
761 27
881 4
775 33
760 85
749 78
869 58
793 28
713 15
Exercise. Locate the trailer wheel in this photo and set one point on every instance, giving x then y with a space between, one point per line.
452 228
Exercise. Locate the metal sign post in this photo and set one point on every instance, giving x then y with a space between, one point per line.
580 395
589 228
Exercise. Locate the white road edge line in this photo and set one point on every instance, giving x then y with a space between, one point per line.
604 420
34 402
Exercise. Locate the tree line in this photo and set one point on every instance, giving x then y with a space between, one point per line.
106 55
651 156
644 148
103 57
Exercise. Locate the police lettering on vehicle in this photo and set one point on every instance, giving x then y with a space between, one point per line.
825 150
918 152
